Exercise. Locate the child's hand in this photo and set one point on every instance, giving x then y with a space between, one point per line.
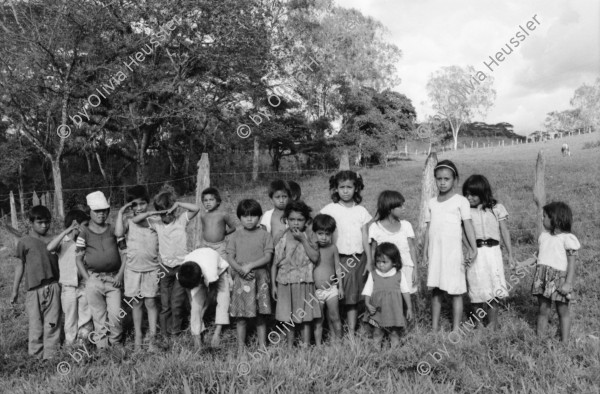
372 310
173 208
126 206
409 314
368 267
566 288
340 293
13 297
118 282
245 269
472 254
425 260
298 235
414 276
511 262
274 292
73 226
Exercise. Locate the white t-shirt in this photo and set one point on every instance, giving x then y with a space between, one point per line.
553 249
266 219
379 234
368 289
349 222
211 263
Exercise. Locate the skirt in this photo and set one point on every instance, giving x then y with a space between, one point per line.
296 302
250 297
547 281
353 280
485 277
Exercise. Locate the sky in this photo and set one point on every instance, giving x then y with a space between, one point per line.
539 76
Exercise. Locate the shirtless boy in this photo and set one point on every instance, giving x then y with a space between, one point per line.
216 223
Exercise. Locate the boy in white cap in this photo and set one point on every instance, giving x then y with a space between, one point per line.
99 263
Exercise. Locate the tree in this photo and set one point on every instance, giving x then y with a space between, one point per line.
587 100
458 94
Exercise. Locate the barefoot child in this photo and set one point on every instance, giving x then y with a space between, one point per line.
442 247
280 194
292 273
78 317
328 277
202 273
41 279
485 276
555 270
216 223
386 291
249 250
141 265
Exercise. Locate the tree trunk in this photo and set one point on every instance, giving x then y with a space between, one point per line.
21 192
89 162
101 167
58 191
255 159
140 170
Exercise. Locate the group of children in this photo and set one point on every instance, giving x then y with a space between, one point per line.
285 261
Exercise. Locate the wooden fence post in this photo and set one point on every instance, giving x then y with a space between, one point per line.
539 190
255 159
43 199
36 200
202 182
428 191
344 161
406 150
13 211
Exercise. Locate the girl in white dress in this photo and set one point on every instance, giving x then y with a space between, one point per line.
443 243
485 276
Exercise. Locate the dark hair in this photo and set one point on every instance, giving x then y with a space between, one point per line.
249 207
561 216
138 191
278 185
478 185
446 164
213 192
388 200
323 222
190 275
164 200
391 251
76 215
297 206
343 176
39 212
296 191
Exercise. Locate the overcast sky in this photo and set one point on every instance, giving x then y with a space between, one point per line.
537 77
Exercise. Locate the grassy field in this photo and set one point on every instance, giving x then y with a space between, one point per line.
478 361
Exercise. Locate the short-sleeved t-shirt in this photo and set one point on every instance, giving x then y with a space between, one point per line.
172 239
101 251
245 246
485 221
67 262
553 249
142 248
349 222
41 266
380 234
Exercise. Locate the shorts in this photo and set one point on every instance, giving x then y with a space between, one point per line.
141 284
324 295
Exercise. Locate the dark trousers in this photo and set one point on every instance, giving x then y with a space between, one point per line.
173 298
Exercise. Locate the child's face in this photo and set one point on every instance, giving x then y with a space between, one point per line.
547 222
40 226
280 199
346 190
296 221
139 205
76 232
323 238
444 180
99 216
384 264
210 202
167 218
474 201
249 222
397 212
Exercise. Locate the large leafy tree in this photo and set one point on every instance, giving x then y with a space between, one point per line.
587 100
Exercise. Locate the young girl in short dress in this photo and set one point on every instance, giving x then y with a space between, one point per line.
350 217
292 273
555 270
443 243
385 293
485 276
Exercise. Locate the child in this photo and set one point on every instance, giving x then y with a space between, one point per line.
43 291
99 263
249 250
296 191
384 292
485 276
443 243
390 228
172 249
555 270
215 222
279 193
350 219
142 273
328 277
292 273
205 268
78 317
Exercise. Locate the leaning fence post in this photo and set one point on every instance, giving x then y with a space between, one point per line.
428 191
36 200
539 190
202 182
345 161
13 211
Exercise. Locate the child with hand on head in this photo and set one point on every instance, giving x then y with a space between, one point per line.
99 263
204 269
485 276
280 194
41 279
385 292
328 277
78 317
172 248
292 273
350 218
555 269
249 250
142 273
216 223
391 228
442 247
